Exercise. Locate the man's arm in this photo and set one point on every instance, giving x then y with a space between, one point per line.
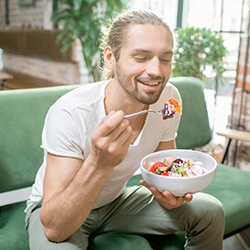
71 186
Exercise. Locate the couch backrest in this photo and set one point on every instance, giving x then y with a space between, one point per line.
22 114
194 130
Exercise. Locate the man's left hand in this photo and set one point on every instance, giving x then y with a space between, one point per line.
166 199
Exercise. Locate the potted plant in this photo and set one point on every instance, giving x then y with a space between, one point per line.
199 50
82 20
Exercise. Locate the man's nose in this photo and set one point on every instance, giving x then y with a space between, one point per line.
153 67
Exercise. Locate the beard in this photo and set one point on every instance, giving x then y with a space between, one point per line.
131 87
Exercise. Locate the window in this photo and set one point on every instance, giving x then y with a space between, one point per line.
228 16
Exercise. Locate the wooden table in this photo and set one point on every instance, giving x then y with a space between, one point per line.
4 77
233 134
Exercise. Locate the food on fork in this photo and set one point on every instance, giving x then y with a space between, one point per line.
170 108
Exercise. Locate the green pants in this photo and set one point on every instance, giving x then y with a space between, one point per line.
137 212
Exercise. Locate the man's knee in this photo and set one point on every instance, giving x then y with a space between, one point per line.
38 240
210 208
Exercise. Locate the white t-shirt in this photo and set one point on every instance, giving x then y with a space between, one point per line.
71 121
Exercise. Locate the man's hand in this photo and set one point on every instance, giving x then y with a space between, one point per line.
166 199
111 139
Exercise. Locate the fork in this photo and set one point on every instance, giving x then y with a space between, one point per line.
160 112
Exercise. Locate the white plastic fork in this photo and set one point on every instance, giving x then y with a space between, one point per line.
160 112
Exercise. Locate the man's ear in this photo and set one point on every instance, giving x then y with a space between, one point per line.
109 58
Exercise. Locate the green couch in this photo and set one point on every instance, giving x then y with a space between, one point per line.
22 115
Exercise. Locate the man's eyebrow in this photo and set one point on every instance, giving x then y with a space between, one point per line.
140 51
168 52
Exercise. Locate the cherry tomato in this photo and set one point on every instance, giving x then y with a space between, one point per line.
165 174
154 167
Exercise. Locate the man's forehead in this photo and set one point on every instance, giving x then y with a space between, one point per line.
144 36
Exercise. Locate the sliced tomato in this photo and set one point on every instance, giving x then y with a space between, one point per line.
154 167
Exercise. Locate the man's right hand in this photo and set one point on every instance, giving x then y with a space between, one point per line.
111 139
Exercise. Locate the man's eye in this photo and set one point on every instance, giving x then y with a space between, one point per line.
140 59
166 60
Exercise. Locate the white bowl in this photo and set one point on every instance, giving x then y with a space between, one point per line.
179 186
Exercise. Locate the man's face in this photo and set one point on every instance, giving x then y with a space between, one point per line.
145 62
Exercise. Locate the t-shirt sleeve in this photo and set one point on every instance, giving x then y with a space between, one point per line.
61 133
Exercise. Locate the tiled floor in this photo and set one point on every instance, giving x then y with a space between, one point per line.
235 243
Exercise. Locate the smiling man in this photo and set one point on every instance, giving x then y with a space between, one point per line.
91 151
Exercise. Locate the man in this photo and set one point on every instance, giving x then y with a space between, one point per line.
90 151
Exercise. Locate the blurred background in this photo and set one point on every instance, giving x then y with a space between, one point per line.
55 42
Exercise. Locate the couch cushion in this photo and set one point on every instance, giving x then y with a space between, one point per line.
231 186
22 117
13 235
167 242
111 241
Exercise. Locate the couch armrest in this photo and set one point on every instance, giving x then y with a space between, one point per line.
14 196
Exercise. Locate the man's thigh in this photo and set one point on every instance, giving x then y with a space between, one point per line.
38 240
137 211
